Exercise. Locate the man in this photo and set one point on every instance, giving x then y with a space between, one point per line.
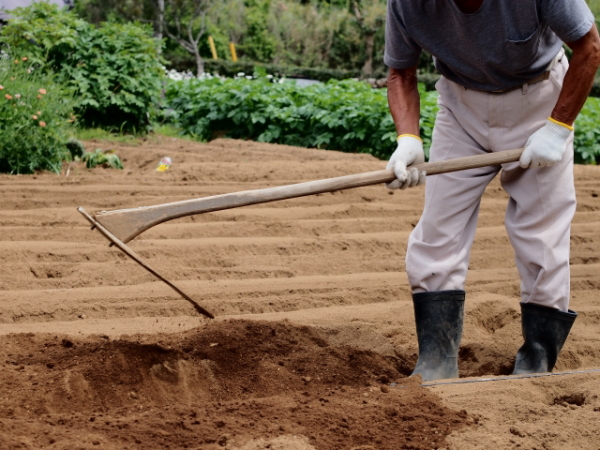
505 84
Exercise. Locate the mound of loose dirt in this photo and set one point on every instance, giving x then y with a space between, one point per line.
232 384
314 319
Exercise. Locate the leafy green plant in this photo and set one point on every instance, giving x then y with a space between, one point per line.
324 116
43 33
341 115
36 119
114 70
587 133
429 110
103 158
117 76
75 147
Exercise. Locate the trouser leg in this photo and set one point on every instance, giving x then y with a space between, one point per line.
538 219
439 247
542 200
538 222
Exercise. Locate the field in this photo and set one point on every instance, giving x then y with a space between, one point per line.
314 335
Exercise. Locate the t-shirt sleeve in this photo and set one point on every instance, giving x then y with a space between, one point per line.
569 19
401 51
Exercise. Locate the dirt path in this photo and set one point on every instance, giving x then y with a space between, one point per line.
314 333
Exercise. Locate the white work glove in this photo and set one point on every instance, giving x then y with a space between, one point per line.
547 145
408 152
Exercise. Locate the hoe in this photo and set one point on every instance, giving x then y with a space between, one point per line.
122 225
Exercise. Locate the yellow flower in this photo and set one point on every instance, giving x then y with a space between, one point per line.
16 61
42 91
42 124
8 97
34 117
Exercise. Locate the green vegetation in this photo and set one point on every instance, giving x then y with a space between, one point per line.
113 70
37 117
100 134
56 67
587 133
103 158
342 115
594 6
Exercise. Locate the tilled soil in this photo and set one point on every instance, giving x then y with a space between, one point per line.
314 335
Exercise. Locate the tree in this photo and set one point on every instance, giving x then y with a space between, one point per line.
160 18
184 21
370 18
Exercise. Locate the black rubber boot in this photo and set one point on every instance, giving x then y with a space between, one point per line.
439 320
545 331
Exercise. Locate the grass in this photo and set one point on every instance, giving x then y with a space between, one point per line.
169 131
98 134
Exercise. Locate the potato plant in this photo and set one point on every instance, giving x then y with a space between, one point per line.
587 133
340 115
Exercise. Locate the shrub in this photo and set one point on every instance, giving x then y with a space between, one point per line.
43 33
117 76
114 70
342 115
36 119
587 133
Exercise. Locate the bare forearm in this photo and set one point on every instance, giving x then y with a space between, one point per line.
404 100
579 78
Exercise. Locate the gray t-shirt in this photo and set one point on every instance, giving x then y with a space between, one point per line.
501 45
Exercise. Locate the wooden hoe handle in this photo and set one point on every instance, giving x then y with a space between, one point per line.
125 224
120 226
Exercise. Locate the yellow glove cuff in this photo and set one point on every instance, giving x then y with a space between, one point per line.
409 135
560 123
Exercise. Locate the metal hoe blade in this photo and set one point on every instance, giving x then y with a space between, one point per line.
133 255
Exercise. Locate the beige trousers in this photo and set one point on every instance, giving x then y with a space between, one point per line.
542 200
